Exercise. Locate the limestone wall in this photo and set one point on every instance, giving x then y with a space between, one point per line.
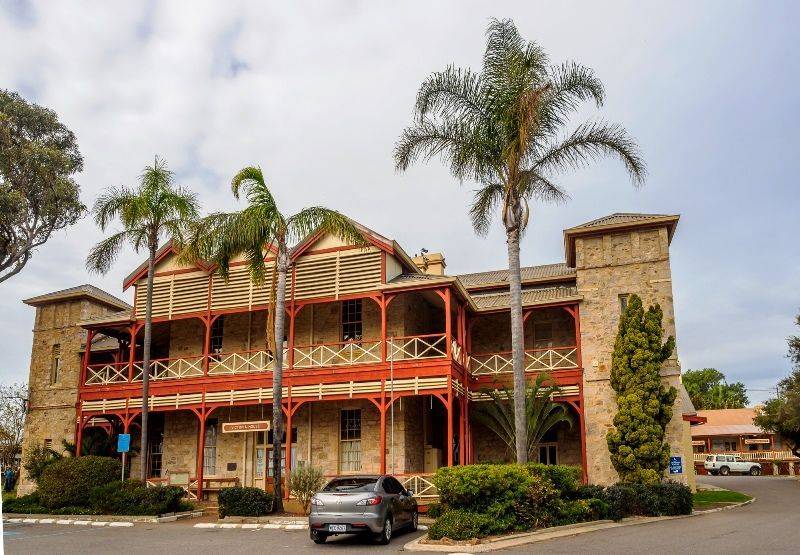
608 266
52 412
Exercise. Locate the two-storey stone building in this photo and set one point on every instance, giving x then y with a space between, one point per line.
385 356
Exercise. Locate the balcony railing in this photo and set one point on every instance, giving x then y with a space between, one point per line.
536 360
112 372
171 368
417 347
247 362
751 455
347 353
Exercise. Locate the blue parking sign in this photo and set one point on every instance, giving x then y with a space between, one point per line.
123 443
676 465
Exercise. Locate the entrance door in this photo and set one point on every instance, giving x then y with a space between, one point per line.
262 455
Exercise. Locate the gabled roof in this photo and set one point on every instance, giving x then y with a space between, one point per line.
619 221
85 291
545 272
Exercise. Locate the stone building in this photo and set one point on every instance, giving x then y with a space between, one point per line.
386 356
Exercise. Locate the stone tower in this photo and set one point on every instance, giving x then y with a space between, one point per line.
614 257
58 345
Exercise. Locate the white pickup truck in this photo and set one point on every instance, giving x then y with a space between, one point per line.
725 464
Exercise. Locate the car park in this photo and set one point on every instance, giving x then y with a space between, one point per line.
730 464
371 504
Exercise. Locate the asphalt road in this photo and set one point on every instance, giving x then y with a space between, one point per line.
770 525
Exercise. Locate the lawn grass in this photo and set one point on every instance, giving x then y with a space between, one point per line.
712 499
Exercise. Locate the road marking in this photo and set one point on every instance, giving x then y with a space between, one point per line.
206 525
120 524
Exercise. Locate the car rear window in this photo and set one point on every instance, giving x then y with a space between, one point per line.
710 458
341 485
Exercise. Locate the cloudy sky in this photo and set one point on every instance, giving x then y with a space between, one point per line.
317 92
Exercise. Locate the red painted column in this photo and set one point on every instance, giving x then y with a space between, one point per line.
383 330
449 407
279 340
201 452
462 431
582 422
132 359
209 321
79 434
382 409
86 354
577 317
448 326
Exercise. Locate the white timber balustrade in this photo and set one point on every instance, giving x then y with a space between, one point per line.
536 360
113 372
171 368
337 354
418 347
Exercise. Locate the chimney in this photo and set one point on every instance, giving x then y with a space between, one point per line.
431 263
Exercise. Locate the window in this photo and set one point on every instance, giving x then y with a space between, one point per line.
351 320
217 331
350 441
623 302
543 335
210 449
351 484
55 364
156 454
548 454
265 449
392 486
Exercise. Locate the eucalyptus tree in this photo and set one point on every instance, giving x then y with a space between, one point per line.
252 233
155 211
505 128
542 414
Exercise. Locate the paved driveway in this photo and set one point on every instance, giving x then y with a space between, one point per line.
770 525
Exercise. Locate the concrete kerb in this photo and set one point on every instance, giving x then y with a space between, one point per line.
112 521
504 542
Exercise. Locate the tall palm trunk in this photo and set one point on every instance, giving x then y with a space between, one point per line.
148 339
277 374
517 344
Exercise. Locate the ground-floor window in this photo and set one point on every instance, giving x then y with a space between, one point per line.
548 453
350 440
156 454
723 444
210 450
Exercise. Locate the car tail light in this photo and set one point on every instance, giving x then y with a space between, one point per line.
370 501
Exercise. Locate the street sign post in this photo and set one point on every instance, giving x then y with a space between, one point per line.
123 446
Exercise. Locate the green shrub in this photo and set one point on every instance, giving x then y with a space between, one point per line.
588 491
458 524
537 508
566 479
133 497
27 504
69 481
304 482
37 459
581 510
435 510
662 499
241 501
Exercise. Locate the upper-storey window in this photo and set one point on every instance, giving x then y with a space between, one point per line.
623 302
217 331
55 364
543 335
351 320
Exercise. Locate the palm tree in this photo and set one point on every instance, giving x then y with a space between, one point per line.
220 237
503 128
156 210
541 414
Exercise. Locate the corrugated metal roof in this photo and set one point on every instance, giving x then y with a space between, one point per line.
727 422
412 278
543 295
85 290
113 318
529 273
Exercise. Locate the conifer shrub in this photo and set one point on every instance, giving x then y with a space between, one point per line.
636 443
242 501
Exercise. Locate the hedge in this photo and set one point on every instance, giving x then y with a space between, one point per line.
241 501
458 524
69 481
662 499
133 497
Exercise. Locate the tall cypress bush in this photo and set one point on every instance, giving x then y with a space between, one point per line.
636 442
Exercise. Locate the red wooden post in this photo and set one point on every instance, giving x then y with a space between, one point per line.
462 431
382 409
201 450
449 407
134 331
288 445
86 354
79 434
279 340
582 421
382 304
577 318
448 326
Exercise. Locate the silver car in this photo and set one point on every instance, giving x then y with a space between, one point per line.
370 504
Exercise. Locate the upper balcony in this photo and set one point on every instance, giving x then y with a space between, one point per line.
358 334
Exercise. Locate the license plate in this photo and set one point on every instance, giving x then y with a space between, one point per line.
337 527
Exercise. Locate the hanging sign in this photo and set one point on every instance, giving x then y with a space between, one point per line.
757 441
238 427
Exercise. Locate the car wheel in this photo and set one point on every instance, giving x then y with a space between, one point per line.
724 471
386 534
414 521
755 471
318 537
